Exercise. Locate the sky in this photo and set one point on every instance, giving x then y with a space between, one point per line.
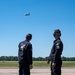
45 17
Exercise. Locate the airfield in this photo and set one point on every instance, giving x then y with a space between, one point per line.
39 68
36 71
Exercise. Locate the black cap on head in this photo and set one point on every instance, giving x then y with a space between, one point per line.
57 31
29 36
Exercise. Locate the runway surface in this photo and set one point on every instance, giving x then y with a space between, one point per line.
36 71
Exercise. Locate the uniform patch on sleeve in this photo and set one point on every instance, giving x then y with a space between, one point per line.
22 46
57 46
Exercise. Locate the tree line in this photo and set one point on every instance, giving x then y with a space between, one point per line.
15 58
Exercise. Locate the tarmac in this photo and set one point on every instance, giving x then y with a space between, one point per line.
37 71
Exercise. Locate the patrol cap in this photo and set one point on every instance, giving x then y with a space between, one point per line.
57 31
29 36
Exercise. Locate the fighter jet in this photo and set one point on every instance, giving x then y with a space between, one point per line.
28 14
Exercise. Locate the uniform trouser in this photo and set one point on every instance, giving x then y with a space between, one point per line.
24 70
20 70
57 69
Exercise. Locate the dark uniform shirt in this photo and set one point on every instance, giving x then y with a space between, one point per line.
25 53
56 51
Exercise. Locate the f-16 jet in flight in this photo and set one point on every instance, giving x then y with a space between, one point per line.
27 14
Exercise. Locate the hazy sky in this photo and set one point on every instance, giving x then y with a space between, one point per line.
45 17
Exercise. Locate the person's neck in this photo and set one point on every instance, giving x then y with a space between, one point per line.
57 38
28 40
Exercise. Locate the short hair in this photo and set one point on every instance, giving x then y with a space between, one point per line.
57 31
29 36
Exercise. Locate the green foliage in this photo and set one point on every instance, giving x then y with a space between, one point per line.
8 58
68 58
15 58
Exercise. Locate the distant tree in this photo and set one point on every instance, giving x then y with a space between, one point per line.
15 58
